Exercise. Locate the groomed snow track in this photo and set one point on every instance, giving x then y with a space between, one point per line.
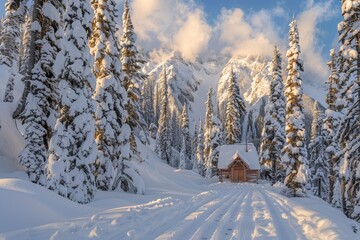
228 211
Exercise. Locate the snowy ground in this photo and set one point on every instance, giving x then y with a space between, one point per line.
224 211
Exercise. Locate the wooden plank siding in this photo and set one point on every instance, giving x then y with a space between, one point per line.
238 171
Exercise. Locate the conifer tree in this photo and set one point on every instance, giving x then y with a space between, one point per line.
175 131
185 131
208 123
200 151
10 35
163 139
212 138
38 108
157 100
348 134
215 144
9 96
72 146
148 102
113 168
194 145
183 159
317 160
331 122
235 112
133 76
25 43
294 151
273 136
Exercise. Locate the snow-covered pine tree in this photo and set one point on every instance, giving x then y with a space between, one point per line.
185 132
337 196
208 123
133 77
157 100
294 151
38 108
200 151
25 43
331 122
163 139
273 136
147 103
348 134
183 158
235 111
176 142
215 144
317 159
14 17
72 147
9 96
113 168
212 137
194 145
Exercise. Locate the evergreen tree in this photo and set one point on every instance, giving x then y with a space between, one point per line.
148 102
175 131
348 134
133 76
38 29
200 151
157 100
194 145
25 44
273 136
331 122
212 138
185 131
72 146
163 139
294 151
38 108
183 158
235 112
208 123
9 96
317 160
113 168
10 35
215 144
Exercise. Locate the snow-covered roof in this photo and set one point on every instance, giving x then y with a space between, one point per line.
229 152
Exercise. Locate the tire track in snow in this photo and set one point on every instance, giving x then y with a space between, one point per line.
193 222
183 227
264 223
207 229
283 212
245 219
154 224
226 228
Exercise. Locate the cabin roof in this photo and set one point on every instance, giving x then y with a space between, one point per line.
230 152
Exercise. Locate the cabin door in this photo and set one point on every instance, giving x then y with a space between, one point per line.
238 174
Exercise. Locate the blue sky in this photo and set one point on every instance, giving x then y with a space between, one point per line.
237 27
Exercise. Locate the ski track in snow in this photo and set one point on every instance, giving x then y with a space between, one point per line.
228 212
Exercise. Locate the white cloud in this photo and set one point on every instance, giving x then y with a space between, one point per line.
253 36
172 24
193 36
311 48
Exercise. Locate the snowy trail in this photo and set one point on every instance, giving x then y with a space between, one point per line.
227 212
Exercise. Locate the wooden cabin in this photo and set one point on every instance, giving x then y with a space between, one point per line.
239 163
